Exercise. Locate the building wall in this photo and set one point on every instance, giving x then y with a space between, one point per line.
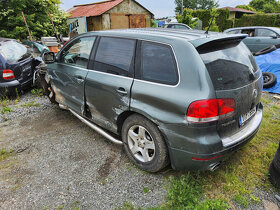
106 25
129 7
118 17
232 15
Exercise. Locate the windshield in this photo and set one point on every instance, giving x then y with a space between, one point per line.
13 51
230 65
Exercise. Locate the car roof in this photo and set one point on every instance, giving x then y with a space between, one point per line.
2 39
175 24
250 27
196 37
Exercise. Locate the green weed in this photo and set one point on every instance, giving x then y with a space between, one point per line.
30 104
4 154
6 109
37 92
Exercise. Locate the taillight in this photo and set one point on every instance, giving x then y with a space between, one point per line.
8 74
210 110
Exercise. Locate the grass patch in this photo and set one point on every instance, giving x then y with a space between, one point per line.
4 154
30 104
187 192
238 178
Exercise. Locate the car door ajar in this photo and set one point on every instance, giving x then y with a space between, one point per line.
68 74
109 81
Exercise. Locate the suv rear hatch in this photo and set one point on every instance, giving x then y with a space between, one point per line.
235 75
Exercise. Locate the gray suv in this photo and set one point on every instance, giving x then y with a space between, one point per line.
183 97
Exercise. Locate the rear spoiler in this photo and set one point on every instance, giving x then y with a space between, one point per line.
210 40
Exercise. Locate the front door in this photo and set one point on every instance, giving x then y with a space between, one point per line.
108 84
69 72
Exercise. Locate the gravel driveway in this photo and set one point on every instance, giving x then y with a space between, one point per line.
60 162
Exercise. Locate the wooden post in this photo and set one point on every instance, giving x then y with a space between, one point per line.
30 37
58 38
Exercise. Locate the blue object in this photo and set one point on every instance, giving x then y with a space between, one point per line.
270 62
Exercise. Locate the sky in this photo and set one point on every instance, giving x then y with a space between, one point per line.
160 8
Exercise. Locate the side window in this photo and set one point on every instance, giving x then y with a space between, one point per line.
180 27
158 63
250 32
115 55
77 52
266 33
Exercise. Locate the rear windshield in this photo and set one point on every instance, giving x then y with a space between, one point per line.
230 64
13 51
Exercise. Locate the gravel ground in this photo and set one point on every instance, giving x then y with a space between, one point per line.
60 162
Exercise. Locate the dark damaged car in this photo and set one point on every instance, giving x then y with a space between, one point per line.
16 67
176 96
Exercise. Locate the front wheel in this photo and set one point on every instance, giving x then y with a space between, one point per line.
144 144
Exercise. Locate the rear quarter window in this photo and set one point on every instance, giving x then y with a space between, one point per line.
158 63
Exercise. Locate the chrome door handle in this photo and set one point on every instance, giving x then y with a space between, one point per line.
122 91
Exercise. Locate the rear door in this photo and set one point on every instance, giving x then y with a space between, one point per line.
69 72
234 75
109 80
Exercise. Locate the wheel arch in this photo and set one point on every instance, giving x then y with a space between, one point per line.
123 116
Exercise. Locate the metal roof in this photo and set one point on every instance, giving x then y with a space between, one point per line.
96 9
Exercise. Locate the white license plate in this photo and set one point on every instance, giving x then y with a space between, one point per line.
245 117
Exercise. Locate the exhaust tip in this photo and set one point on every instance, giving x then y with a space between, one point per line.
214 166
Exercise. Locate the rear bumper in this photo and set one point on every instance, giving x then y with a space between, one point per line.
7 88
182 159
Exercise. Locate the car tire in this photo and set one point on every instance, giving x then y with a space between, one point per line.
144 144
266 50
269 79
274 176
276 161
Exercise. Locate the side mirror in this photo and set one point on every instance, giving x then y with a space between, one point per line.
49 57
274 37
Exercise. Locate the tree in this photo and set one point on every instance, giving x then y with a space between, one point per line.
195 4
187 18
213 26
36 14
266 6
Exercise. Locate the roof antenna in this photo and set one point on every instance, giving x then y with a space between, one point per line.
207 31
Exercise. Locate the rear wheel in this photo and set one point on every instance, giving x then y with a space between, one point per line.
144 144
274 176
276 161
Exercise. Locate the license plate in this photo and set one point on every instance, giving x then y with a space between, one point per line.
245 117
